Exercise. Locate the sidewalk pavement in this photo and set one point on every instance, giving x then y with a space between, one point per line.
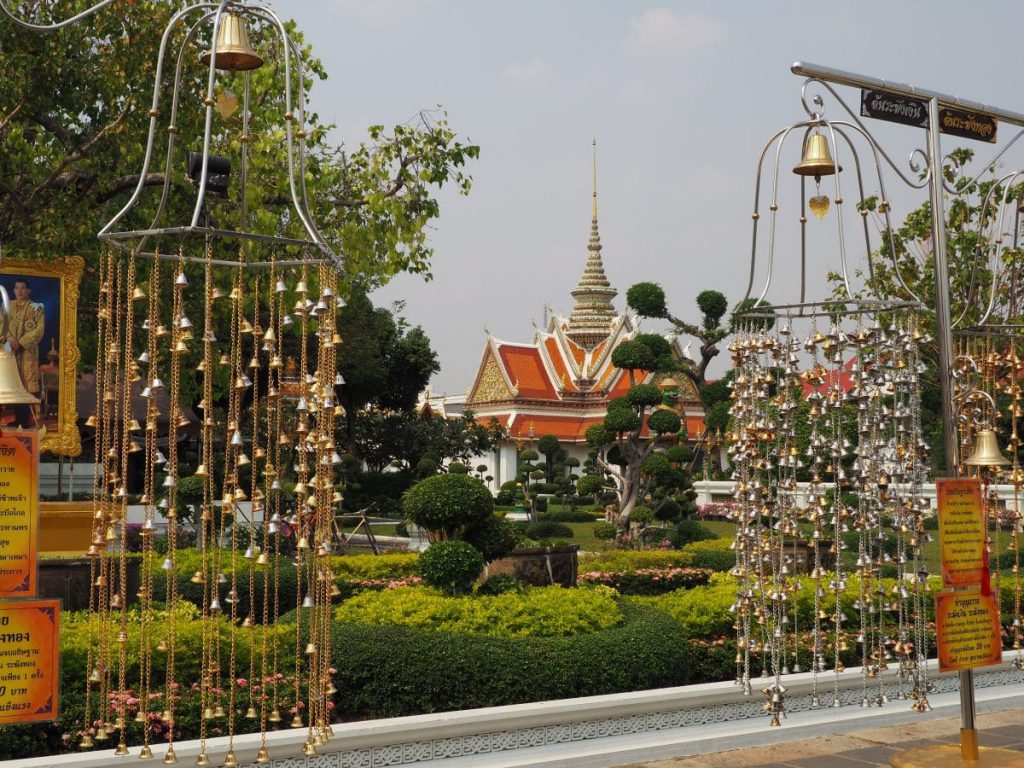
859 749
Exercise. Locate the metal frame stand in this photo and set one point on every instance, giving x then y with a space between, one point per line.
969 752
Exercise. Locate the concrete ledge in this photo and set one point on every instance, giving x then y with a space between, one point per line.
596 731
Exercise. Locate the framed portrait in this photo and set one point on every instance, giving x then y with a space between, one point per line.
42 331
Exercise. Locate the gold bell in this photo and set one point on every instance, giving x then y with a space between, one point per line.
817 159
986 451
274 716
122 750
12 391
234 54
145 753
263 756
230 761
201 471
170 758
202 760
138 293
250 713
310 649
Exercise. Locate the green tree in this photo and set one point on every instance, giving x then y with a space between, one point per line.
404 439
631 460
648 300
384 363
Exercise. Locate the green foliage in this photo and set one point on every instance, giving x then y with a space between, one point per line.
716 392
656 464
664 422
713 305
679 454
644 395
448 504
588 485
712 553
604 531
644 651
641 515
537 612
700 612
493 537
630 560
688 531
664 360
567 516
451 565
499 584
457 468
633 355
618 421
391 566
383 438
598 435
548 444
546 529
647 300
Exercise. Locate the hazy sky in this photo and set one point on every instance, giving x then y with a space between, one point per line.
681 96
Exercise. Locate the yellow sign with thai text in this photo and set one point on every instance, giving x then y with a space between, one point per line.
961 533
19 513
967 625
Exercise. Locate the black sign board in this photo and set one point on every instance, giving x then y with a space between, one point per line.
883 105
969 125
894 108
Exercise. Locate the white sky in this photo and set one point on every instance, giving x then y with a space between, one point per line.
681 96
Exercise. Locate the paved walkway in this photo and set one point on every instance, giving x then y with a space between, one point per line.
859 749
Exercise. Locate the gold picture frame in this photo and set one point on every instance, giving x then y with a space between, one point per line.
58 407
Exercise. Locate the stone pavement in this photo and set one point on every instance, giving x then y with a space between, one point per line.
859 749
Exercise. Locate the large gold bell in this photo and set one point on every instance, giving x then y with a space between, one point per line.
234 54
12 391
986 451
817 159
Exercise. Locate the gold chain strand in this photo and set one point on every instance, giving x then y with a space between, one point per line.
255 550
96 542
275 714
300 496
122 506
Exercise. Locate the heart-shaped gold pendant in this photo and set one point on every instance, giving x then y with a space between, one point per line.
818 205
227 103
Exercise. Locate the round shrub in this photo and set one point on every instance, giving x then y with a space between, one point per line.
664 422
447 504
644 395
641 516
499 584
604 531
457 468
567 516
451 566
540 504
689 531
588 485
507 495
493 537
548 530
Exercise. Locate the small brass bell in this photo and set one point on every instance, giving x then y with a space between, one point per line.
817 159
986 451
234 54
263 756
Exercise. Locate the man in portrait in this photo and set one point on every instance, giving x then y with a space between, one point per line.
25 327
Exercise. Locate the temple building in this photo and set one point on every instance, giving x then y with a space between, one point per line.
561 382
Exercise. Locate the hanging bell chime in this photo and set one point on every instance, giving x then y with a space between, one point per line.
234 54
986 451
817 159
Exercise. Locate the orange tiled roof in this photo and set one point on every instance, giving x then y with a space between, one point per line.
567 428
526 370
562 372
578 353
694 426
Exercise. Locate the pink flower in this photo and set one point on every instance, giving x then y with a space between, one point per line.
241 682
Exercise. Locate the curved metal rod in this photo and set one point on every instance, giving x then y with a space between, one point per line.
860 189
839 218
211 79
995 240
153 112
172 134
989 167
885 199
57 25
863 129
774 210
757 215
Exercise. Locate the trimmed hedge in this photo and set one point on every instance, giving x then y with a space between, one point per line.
648 581
567 516
421 671
712 553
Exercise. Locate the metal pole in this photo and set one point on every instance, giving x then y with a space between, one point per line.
943 336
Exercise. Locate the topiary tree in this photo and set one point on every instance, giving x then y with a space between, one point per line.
446 505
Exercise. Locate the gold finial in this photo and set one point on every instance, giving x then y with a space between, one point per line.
594 145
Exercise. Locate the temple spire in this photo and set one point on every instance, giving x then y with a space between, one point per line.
591 318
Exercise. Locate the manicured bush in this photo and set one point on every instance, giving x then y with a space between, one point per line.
537 612
494 538
507 494
641 515
392 566
547 530
451 565
648 581
605 531
702 613
628 561
448 504
712 553
540 504
566 516
432 671
688 531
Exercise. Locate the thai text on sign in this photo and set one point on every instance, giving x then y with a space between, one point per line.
29 661
961 533
967 626
19 513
